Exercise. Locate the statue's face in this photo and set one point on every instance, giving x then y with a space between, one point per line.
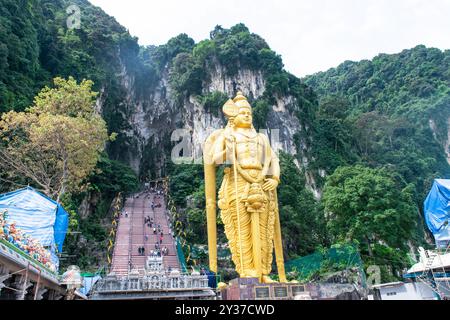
244 118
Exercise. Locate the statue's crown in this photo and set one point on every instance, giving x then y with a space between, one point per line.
231 107
241 101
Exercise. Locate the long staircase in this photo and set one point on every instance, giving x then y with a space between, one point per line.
129 276
132 232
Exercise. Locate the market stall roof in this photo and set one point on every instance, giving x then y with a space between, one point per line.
439 263
36 215
388 285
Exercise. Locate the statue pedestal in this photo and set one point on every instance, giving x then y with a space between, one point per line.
252 289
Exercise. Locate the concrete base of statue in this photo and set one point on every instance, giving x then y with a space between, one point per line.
252 289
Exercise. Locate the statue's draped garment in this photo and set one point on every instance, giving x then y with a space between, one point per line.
255 160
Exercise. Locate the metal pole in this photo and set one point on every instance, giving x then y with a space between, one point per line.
36 289
278 244
25 282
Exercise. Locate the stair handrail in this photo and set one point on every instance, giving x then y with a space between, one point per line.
425 276
130 235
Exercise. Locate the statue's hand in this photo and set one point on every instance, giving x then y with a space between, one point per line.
270 184
229 138
229 142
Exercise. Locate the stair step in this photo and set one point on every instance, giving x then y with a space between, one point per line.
133 228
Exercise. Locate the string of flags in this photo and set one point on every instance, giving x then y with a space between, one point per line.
178 224
117 207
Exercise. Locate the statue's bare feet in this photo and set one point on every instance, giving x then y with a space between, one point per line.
221 285
251 273
267 279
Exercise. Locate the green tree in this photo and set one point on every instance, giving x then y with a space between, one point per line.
213 101
111 177
56 143
370 207
186 74
302 222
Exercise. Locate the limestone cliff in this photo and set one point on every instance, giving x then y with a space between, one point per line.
157 119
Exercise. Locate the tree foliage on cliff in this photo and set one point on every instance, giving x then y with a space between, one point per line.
381 120
302 220
36 44
389 83
379 112
374 210
368 206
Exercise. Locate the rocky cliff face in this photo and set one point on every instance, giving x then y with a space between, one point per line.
445 140
157 118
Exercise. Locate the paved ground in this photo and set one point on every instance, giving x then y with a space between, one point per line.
131 233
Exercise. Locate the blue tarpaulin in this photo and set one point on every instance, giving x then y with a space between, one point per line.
437 210
88 283
38 216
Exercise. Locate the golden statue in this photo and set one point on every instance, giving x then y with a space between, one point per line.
252 223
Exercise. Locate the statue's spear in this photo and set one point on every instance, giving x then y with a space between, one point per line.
278 244
237 204
210 194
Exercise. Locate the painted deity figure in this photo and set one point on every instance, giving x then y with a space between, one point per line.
247 198
2 225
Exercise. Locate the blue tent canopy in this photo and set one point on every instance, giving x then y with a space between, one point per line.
88 283
37 215
437 210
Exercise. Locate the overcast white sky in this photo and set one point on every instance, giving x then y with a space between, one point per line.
311 35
